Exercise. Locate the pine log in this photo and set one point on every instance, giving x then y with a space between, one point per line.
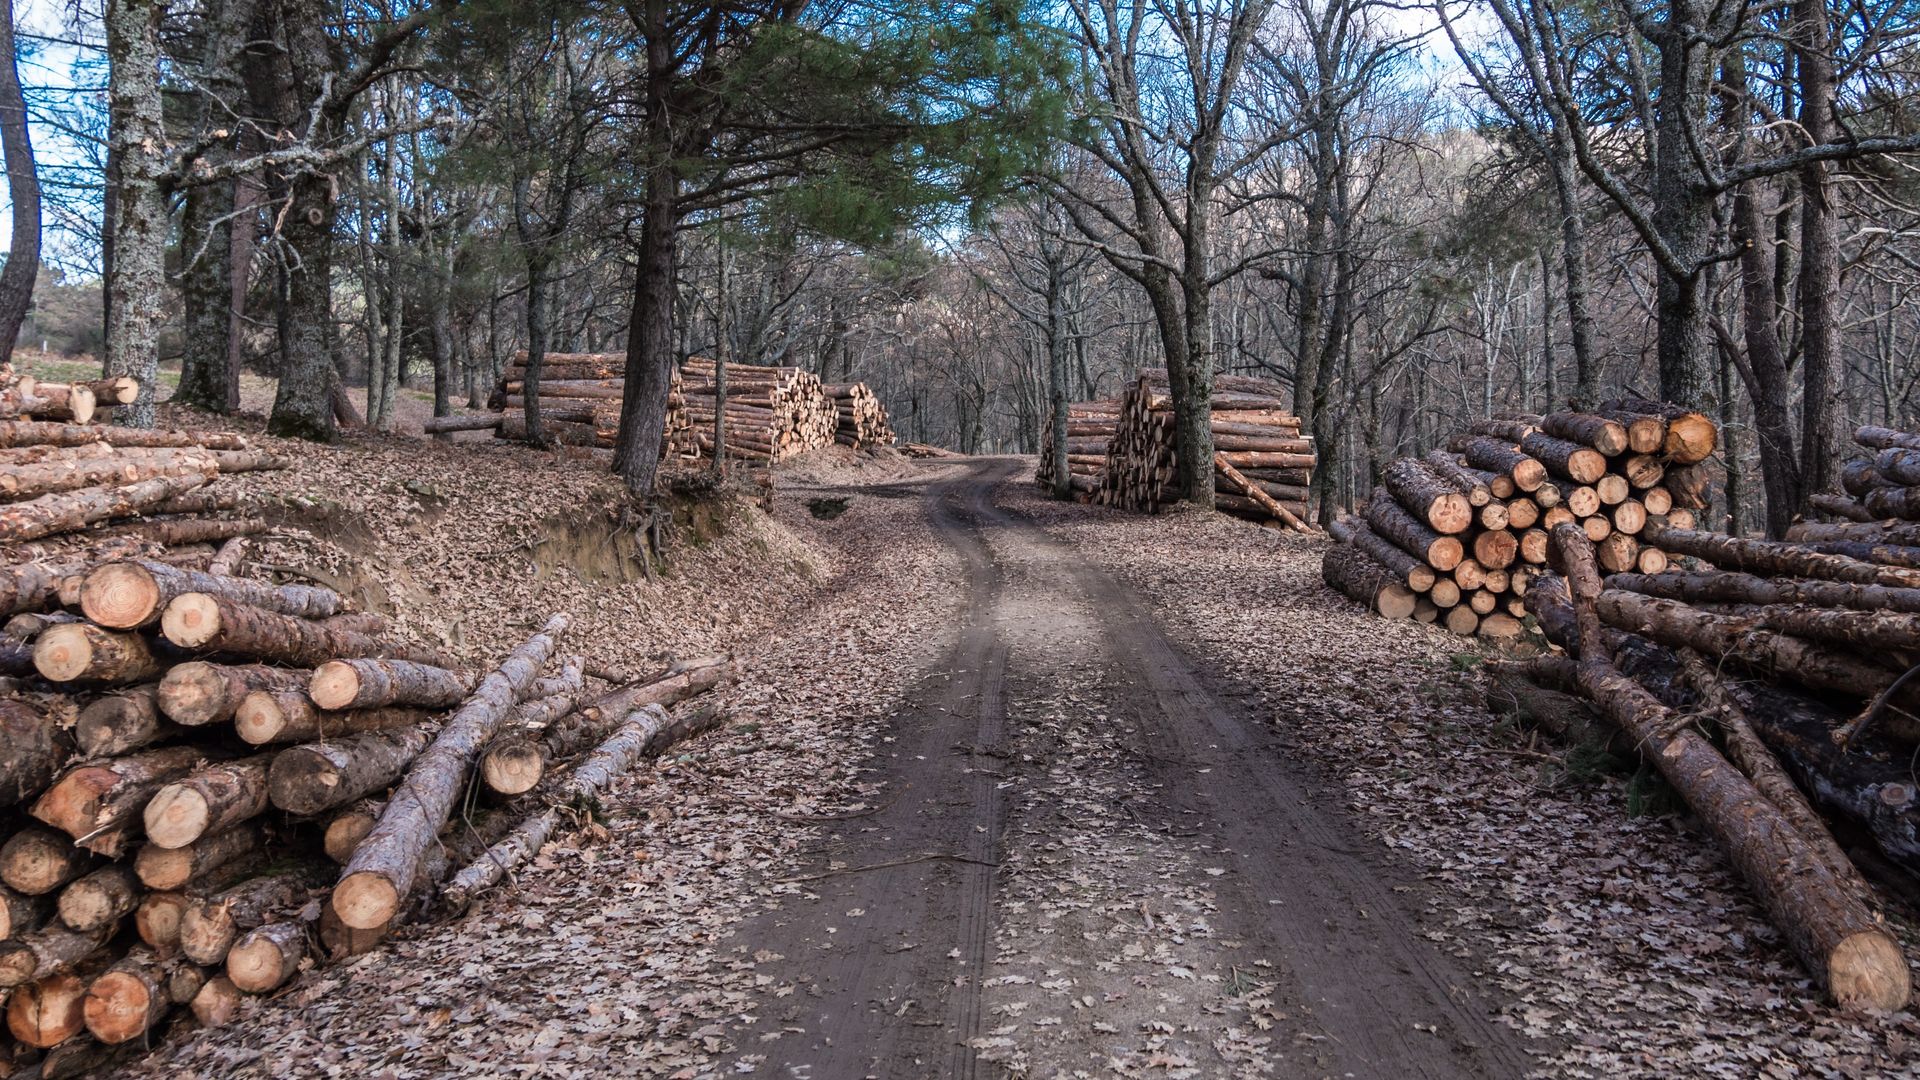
1690 436
1891 502
165 869
1463 481
1522 514
50 950
52 477
210 800
1837 938
1905 534
342 941
210 926
95 803
198 693
1533 546
1495 456
1414 573
1469 575
36 861
1618 553
1839 506
48 1011
1688 485
216 624
175 532
1772 558
1428 495
375 883
1496 550
1271 505
82 652
135 994
1882 438
1608 437
1494 516
1504 428
100 900
1725 587
365 684
290 716
1392 522
20 913
217 1003
1482 603
267 956
1462 621
1612 489
29 586
1547 496
34 746
120 390
637 734
157 919
121 722
67 511
1571 460
124 595
435 425
1349 571
348 827
316 777
40 433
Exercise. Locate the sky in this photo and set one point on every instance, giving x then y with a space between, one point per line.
48 76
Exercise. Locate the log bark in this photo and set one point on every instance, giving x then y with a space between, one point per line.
1428 495
1905 534
1414 573
50 950
1772 558
1882 438
26 481
1391 521
1571 460
98 804
49 1011
366 684
98 901
166 869
1894 502
29 586
375 884
125 595
134 995
435 425
36 861
1349 571
1728 587
1833 933
267 957
290 716
211 800
67 511
1463 481
1838 506
216 624
1497 457
122 722
82 652
39 433
177 532
34 746
1608 437
210 926
20 913
217 1003
198 693
317 777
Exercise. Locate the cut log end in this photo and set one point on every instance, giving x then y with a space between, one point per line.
267 957
1869 971
120 1007
120 595
177 816
63 653
46 1013
259 718
335 685
365 900
191 620
515 767
217 1002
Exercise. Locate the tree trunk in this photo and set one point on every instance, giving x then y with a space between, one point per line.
98 901
120 722
290 716
36 861
212 623
69 511
267 956
136 280
375 884
1819 280
95 803
82 652
23 190
45 952
1774 558
34 745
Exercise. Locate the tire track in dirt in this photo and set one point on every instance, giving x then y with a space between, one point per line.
881 975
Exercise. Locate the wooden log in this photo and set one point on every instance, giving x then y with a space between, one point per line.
1522 514
1839 506
1612 489
41 433
1834 934
67 511
34 746
1445 592
1482 603
1469 575
1496 550
375 884
316 777
36 861
1271 505
25 481
1883 438
96 803
29 586
1462 621
638 734
290 716
1571 460
82 652
1527 473
20 913
348 827
169 868
1608 437
48 1011
369 683
1894 502
1690 436
1494 516
198 693
211 925
1618 553
1905 534
50 950
216 624
175 532
1533 546
121 722
1547 496
1727 587
208 801
99 900
435 425
1597 528
1428 495
1465 482
1499 626
124 595
1772 558
1414 573
1392 521
135 994
1350 572
157 919
266 957
217 1003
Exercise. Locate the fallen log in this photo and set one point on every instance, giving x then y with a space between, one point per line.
1466 483
435 425
83 652
1392 521
1905 533
25 481
98 901
1351 572
48 1011
375 883
1571 460
95 803
136 993
1772 558
34 746
43 433
1414 573
1732 587
48 951
1884 438
267 956
36 861
216 624
317 777
1607 437
121 722
1428 495
125 595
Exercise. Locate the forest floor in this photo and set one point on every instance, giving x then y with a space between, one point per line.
1019 788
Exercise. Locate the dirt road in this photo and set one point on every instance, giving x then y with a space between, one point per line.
1088 858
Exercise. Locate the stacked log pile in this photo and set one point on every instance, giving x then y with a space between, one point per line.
860 420
1262 466
1883 486
772 412
1458 536
1769 686
580 396
1090 429
190 759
